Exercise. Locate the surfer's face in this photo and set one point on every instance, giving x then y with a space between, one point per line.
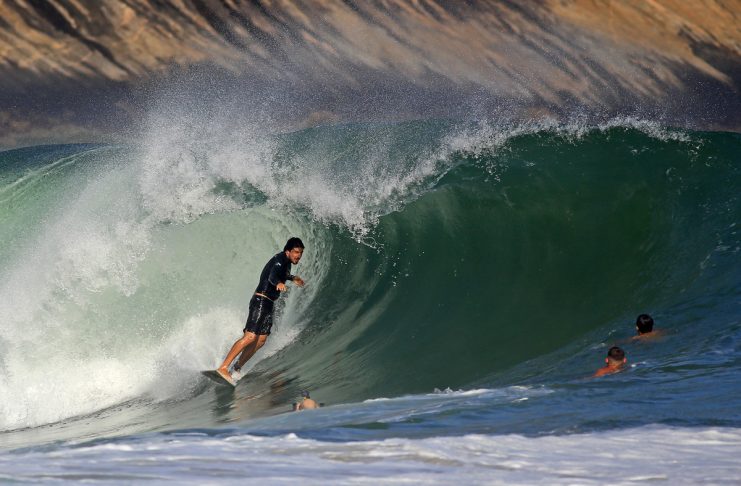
295 255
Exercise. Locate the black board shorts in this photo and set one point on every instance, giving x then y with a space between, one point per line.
260 318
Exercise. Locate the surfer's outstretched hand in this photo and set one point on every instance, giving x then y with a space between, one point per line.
297 280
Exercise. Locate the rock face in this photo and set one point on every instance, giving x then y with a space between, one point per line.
544 54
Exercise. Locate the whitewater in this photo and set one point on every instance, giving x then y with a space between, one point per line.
464 280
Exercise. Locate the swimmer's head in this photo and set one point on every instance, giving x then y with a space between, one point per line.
644 324
615 356
305 393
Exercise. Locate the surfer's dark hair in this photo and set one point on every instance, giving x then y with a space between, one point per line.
616 353
644 323
293 243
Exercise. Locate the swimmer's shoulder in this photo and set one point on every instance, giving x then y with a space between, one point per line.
650 336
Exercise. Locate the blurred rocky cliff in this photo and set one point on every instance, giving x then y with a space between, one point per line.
82 69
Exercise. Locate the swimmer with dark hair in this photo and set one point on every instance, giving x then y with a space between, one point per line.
614 362
645 329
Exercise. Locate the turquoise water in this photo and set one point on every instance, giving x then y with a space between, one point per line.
464 281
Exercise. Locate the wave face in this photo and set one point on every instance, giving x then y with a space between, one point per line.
520 242
438 255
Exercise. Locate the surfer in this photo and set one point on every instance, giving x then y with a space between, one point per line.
614 362
260 319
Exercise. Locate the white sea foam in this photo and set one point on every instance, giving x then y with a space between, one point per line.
184 157
490 136
632 456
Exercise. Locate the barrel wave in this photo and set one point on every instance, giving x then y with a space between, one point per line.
439 255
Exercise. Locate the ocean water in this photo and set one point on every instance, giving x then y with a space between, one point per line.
464 280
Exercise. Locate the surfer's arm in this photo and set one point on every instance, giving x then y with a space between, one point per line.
276 277
294 278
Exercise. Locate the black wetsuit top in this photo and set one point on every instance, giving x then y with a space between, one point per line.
276 271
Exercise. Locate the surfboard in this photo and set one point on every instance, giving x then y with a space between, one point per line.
216 377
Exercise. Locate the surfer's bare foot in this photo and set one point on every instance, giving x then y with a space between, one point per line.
227 377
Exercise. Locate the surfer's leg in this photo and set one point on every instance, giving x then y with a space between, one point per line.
261 340
243 342
259 322
250 351
246 355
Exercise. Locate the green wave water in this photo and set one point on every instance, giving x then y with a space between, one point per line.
519 249
438 255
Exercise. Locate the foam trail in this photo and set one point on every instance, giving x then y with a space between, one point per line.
632 456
